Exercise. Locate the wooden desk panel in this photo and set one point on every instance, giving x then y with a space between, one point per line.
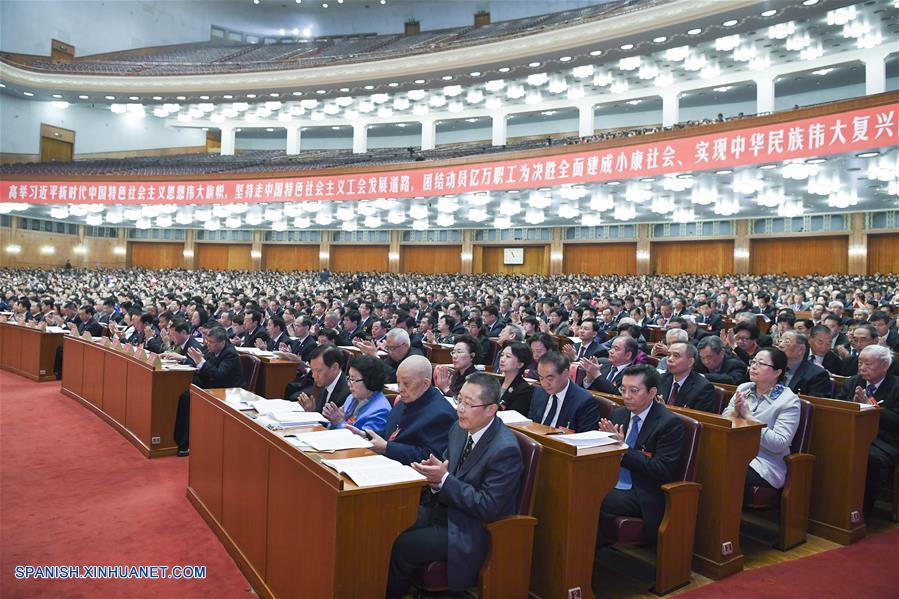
289 522
274 376
126 392
569 493
28 352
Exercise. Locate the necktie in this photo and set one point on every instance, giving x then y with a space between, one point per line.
582 351
551 415
612 373
673 397
624 475
466 451
870 390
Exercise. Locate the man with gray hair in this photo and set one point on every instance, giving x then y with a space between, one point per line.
803 376
717 366
672 336
681 386
874 385
398 346
510 333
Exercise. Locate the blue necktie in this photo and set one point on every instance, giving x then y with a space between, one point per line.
624 476
870 390
553 406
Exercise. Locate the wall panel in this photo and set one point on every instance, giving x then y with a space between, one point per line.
99 251
157 255
883 253
359 258
290 257
703 257
489 259
600 258
800 256
431 259
223 256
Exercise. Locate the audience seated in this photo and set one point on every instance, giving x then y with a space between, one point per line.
515 392
559 402
366 406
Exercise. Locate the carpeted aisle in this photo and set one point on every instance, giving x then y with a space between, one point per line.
74 491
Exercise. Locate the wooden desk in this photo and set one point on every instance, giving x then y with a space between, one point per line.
295 527
28 351
726 447
274 374
570 490
439 354
842 432
127 392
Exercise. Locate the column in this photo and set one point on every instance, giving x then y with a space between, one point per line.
80 249
858 244
360 138
122 250
644 264
324 250
556 251
670 108
741 248
764 95
294 132
467 252
256 250
228 140
875 75
586 124
428 134
393 254
190 260
499 129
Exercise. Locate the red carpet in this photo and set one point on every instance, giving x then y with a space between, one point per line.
869 568
75 492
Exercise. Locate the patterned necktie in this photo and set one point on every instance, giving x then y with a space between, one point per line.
870 390
466 451
550 416
673 397
624 475
582 351
612 374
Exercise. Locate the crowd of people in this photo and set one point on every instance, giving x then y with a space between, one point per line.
656 341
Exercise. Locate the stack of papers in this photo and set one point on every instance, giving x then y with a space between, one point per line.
255 351
513 417
374 470
335 440
177 367
392 387
55 329
279 413
587 440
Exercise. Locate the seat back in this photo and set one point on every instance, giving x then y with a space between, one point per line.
722 399
530 457
803 435
250 365
605 406
689 449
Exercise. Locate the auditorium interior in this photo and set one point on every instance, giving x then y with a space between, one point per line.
647 251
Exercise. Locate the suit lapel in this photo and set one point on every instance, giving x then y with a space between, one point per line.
647 427
479 449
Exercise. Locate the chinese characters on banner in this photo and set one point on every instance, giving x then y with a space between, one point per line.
828 134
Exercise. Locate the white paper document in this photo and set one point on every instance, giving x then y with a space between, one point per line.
374 470
587 439
335 440
392 387
513 417
269 406
255 351
52 329
177 367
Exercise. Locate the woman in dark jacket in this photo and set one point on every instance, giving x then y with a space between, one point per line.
516 392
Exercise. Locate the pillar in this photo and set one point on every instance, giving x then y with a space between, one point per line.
228 141
499 129
586 123
428 134
670 108
556 251
122 255
858 244
324 250
393 254
644 264
467 252
741 248
764 95
190 261
256 250
875 76
294 133
81 257
360 138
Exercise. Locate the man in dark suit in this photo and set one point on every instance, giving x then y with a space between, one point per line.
420 420
861 337
821 353
559 402
182 343
329 382
607 377
476 483
681 386
654 436
88 322
590 345
218 368
252 326
305 342
874 385
802 376
493 326
886 335
398 346
275 330
707 315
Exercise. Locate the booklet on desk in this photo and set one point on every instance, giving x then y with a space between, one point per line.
335 440
513 417
587 440
374 470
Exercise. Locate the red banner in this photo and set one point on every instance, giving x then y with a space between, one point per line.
829 134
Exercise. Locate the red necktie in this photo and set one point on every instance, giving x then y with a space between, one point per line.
673 397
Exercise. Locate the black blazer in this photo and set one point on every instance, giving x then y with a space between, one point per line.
593 350
220 371
249 339
605 386
697 393
888 393
811 379
653 462
579 411
495 329
92 326
731 372
338 395
272 344
832 362
517 397
191 342
304 348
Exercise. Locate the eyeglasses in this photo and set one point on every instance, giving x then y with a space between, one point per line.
462 406
760 363
349 380
392 347
459 353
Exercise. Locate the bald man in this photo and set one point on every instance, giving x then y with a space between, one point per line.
421 418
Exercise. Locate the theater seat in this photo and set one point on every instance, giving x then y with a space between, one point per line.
674 542
506 572
250 365
793 499
721 399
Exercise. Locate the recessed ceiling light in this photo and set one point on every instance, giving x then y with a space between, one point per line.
659 39
475 74
57 95
613 183
769 13
343 89
336 127
725 171
180 98
269 129
204 97
809 2
471 120
534 64
383 1
868 154
205 128
401 124
110 97
393 84
324 5
504 69
29 94
157 98
564 58
419 81
596 53
722 89
816 160
251 95
822 72
227 97
369 86
648 179
730 23
627 46
695 31
766 167
274 95
447 77
298 93
133 98
83 97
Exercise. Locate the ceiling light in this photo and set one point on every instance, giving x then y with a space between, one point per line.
868 154
695 31
57 96
809 2
595 52
504 69
769 13
564 58
82 97
627 46
730 23
659 39
29 94
534 64
475 74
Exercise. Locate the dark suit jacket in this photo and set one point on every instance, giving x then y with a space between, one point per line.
832 363
893 340
579 411
249 339
696 393
811 379
603 384
154 344
495 329
220 371
653 462
338 395
714 320
192 342
272 344
518 396
416 430
888 393
304 348
731 372
92 326
485 488
593 350
390 365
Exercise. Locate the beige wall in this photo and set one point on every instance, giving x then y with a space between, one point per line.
99 250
